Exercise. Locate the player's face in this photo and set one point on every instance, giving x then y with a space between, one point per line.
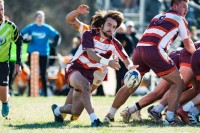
1 12
109 27
182 8
39 19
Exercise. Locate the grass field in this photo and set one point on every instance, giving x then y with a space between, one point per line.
29 115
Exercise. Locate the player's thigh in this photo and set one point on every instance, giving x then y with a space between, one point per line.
78 81
195 64
4 74
187 74
69 97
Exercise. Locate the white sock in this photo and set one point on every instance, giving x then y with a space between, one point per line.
112 112
194 111
57 111
158 108
170 115
93 117
133 109
188 106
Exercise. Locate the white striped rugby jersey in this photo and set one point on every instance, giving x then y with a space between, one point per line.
103 47
163 30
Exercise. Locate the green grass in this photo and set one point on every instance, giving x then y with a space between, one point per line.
29 115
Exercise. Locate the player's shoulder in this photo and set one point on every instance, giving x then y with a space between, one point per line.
93 32
10 23
177 17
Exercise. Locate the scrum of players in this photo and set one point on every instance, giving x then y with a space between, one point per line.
178 89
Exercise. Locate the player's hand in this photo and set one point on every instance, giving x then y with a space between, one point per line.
17 69
114 64
82 9
133 67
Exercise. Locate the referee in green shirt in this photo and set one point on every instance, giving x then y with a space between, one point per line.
8 34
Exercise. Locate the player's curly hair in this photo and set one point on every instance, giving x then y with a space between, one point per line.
177 1
101 16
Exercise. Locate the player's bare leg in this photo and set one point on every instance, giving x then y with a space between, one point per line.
177 84
157 94
120 98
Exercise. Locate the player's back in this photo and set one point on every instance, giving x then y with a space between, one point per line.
163 29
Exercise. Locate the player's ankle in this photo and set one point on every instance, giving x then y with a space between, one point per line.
57 111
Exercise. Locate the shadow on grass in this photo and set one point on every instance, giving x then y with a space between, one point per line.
153 124
144 123
40 125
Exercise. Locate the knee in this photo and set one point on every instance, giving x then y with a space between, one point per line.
76 113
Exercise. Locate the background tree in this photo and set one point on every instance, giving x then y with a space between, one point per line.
22 12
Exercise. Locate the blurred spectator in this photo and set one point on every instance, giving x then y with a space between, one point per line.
196 5
152 8
38 35
116 4
127 43
197 1
166 5
75 44
53 53
191 16
131 31
193 34
130 6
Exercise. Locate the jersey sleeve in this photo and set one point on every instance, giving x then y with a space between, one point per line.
87 40
18 40
183 29
26 30
15 34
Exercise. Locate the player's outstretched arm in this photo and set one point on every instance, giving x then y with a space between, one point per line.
71 18
189 45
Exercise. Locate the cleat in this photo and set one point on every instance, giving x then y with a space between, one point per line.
170 123
193 120
107 119
5 109
177 119
97 123
197 117
136 116
56 118
74 117
183 115
64 115
125 115
156 116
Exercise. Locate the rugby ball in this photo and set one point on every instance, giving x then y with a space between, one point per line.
132 78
